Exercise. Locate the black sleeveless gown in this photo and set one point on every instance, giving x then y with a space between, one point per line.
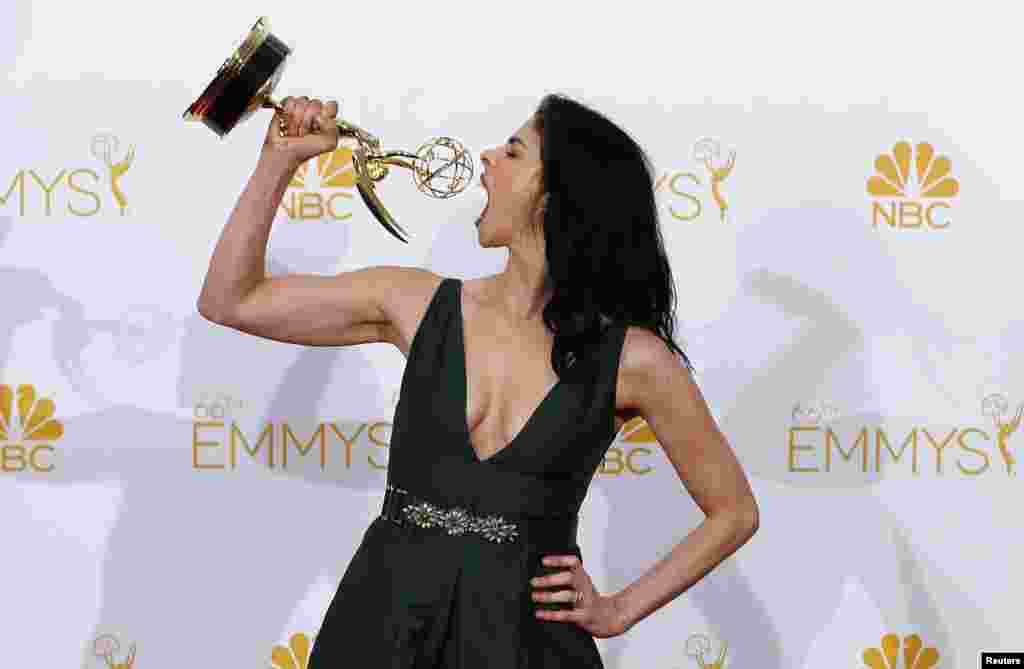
415 598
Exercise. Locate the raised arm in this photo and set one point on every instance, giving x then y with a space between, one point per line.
356 307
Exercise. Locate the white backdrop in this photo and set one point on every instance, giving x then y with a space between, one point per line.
812 323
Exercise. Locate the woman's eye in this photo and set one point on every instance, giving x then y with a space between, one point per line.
509 154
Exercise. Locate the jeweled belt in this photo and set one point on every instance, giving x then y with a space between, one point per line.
404 508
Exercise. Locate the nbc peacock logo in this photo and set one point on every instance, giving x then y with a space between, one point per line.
293 656
318 184
888 656
910 185
27 429
698 647
634 442
106 646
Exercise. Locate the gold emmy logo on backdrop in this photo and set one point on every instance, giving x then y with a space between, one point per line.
997 407
441 167
102 147
813 437
915 655
930 180
707 151
34 422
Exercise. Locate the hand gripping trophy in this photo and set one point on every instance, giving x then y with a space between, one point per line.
441 167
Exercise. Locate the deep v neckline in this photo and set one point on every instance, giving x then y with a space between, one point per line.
464 418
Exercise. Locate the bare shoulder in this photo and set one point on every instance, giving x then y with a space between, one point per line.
412 292
646 363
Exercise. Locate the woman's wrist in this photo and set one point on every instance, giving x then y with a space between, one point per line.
622 610
277 161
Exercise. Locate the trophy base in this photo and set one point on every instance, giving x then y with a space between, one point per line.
240 88
244 84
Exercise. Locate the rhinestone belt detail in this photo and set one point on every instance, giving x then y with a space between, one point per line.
457 520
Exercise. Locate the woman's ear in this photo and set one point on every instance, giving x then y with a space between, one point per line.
538 212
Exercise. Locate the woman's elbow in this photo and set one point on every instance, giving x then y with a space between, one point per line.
748 518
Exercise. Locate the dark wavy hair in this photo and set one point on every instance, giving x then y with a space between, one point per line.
605 256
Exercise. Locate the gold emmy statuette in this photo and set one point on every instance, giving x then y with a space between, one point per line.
441 167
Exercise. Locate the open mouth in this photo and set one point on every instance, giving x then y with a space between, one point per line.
482 214
483 196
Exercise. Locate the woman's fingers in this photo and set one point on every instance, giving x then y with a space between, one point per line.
294 112
561 578
557 596
310 111
296 118
565 560
303 115
569 562
287 107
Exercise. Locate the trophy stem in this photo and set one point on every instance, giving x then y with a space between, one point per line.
346 128
395 158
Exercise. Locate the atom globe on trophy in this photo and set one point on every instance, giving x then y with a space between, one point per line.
441 167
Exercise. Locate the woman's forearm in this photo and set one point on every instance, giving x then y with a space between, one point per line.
715 539
238 262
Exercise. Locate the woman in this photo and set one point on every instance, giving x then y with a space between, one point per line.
515 386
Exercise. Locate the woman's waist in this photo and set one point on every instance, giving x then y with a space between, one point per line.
514 526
